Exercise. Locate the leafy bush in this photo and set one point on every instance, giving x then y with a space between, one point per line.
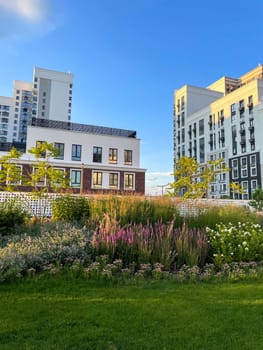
241 242
257 200
70 209
12 216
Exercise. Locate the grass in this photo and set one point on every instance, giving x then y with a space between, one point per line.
74 313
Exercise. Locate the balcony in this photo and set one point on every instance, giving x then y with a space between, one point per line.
252 139
251 128
250 105
242 131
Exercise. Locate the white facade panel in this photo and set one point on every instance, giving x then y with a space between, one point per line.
87 142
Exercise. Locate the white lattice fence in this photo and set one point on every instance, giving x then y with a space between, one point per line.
193 207
35 206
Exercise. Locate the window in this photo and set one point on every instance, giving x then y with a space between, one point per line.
250 104
113 155
17 97
233 112
244 172
253 165
202 150
97 154
182 102
39 145
244 186
60 177
76 152
44 94
97 179
113 180
201 127
183 135
183 119
75 178
128 181
234 169
43 100
16 177
127 157
254 185
38 177
235 193
60 150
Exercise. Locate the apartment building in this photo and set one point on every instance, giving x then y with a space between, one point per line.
223 121
48 96
52 94
6 118
96 159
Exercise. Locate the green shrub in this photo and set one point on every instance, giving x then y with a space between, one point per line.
12 216
70 209
240 242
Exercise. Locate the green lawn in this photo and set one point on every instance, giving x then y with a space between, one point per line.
68 313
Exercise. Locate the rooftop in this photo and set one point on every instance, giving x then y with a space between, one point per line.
92 129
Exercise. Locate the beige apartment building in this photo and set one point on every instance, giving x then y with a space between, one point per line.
223 121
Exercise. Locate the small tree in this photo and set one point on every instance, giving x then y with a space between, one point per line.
236 188
10 172
192 180
45 177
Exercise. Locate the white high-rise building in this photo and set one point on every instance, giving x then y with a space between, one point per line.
223 121
49 96
52 94
6 119
22 102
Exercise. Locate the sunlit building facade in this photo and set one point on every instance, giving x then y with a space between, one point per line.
223 121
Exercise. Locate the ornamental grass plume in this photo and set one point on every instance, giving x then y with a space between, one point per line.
137 243
191 246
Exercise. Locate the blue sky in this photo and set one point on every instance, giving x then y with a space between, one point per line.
128 57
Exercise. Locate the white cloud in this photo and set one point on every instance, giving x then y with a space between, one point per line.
26 19
32 10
